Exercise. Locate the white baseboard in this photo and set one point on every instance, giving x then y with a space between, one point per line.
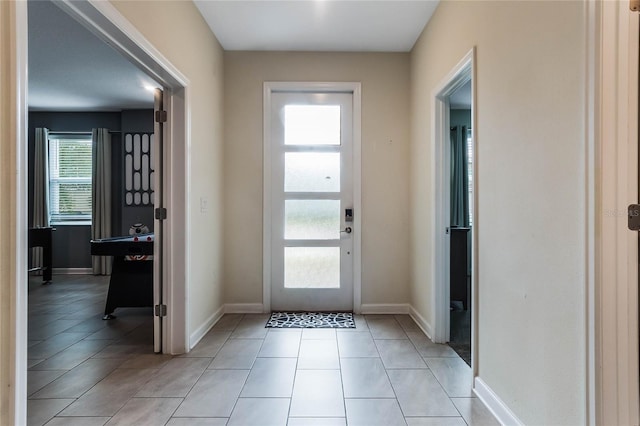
424 325
204 328
244 308
497 407
72 271
384 308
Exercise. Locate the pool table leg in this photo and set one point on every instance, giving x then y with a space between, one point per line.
131 285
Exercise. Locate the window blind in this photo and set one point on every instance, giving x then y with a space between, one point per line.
70 165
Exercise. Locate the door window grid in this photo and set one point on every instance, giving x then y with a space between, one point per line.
312 139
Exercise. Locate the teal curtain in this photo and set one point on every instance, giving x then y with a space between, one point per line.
459 177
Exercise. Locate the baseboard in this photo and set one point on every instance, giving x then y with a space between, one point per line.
244 308
72 271
384 308
497 407
422 323
204 328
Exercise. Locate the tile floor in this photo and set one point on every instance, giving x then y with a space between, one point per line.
85 371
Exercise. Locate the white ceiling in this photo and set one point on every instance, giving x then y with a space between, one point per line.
70 69
317 25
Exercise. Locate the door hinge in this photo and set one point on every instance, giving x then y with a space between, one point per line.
160 310
161 213
161 116
633 214
634 5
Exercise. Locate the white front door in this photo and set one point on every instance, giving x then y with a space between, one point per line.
312 226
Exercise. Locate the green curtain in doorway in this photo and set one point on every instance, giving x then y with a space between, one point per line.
459 180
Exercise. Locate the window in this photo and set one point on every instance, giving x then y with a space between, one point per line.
70 179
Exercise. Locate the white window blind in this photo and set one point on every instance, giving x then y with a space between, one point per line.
70 178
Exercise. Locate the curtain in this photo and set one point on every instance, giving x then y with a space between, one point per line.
459 178
40 188
101 196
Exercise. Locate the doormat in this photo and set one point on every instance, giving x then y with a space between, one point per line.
311 320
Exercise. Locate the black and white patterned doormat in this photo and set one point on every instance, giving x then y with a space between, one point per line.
311 320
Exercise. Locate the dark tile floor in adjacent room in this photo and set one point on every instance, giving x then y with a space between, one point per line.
85 371
460 335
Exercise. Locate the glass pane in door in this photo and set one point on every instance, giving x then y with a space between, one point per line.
312 125
312 172
312 267
312 219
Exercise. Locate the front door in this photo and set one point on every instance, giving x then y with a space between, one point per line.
312 227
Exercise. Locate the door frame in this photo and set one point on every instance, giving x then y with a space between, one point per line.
355 89
611 116
463 72
13 213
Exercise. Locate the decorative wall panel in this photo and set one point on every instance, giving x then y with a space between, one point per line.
138 169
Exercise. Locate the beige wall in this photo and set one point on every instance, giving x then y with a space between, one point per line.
531 194
385 161
177 29
9 340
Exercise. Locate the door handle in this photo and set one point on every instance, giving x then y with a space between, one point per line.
347 230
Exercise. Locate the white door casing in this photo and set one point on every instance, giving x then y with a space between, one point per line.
459 75
332 164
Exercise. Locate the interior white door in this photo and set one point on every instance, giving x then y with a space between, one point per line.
312 224
158 200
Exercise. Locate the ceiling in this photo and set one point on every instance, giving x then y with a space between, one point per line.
70 69
461 98
318 25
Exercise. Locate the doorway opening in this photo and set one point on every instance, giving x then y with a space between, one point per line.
461 224
91 121
170 160
455 299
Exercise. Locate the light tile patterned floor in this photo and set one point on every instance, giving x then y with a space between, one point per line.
85 371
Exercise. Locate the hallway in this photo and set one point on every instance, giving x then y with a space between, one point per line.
85 371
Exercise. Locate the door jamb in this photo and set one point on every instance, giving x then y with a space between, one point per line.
458 76
13 108
340 87
612 183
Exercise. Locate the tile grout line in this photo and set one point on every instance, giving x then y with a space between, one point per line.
295 375
386 372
